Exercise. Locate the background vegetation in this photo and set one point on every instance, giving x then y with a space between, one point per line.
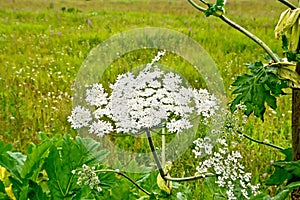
43 43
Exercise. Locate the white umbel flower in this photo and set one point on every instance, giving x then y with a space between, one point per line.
80 117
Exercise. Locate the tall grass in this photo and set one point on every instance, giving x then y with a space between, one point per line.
43 43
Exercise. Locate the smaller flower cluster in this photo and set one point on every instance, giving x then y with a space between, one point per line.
226 166
87 176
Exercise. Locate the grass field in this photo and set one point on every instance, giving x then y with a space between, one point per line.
42 47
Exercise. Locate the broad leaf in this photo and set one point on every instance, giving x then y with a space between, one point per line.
292 167
60 163
35 161
256 89
278 176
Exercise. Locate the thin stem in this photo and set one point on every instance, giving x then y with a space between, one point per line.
158 164
190 178
161 172
125 176
260 142
196 6
251 36
204 2
288 4
242 30
163 148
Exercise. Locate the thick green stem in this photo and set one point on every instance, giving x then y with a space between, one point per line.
156 159
125 176
161 171
190 178
242 30
251 36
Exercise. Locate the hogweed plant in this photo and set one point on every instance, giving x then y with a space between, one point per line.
265 83
154 99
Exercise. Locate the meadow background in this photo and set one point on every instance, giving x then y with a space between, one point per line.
44 42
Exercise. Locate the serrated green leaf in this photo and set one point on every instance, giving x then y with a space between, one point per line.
256 90
58 174
72 155
220 2
243 79
35 160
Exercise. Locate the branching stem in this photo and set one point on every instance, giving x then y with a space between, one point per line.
161 171
242 30
251 36
260 142
125 176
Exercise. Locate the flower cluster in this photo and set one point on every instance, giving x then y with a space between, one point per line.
88 177
226 165
150 99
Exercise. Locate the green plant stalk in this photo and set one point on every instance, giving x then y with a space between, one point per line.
125 176
242 30
260 142
163 148
156 159
159 166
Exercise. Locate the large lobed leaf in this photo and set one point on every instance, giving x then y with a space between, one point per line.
60 163
257 89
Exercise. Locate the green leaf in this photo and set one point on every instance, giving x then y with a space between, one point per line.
220 2
4 196
90 148
10 163
261 196
282 195
288 154
35 161
271 101
72 155
292 167
58 174
293 185
278 176
2 187
36 192
257 89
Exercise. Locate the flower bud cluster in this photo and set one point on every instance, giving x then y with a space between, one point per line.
87 176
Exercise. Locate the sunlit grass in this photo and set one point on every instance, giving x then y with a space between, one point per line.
43 47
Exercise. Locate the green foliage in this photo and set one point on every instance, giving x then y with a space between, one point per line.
215 9
46 172
256 89
291 56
